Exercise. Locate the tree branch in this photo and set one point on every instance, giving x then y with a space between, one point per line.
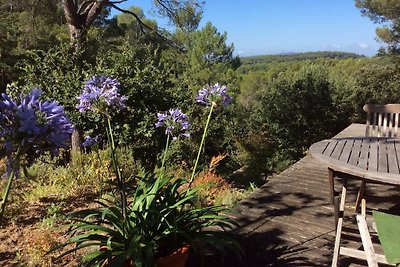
174 10
117 2
168 8
143 25
85 7
70 9
94 11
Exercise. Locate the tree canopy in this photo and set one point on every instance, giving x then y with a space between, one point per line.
80 15
386 12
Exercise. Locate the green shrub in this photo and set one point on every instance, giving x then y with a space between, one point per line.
376 84
283 110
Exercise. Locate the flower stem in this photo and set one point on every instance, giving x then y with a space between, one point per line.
117 168
165 155
201 143
6 193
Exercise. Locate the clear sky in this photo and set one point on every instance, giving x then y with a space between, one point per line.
259 27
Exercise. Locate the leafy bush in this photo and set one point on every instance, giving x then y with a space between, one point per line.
147 81
376 84
213 186
252 153
287 112
59 72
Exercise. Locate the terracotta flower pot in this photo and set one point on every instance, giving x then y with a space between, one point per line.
176 259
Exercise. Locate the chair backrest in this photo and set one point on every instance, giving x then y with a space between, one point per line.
382 120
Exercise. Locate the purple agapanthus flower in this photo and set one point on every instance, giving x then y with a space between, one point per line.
213 94
99 93
90 141
32 127
175 123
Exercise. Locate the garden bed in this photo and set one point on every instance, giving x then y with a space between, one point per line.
29 229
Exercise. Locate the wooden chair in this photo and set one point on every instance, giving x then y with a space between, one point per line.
368 253
367 227
382 121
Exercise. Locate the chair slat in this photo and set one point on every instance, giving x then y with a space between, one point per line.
382 120
385 129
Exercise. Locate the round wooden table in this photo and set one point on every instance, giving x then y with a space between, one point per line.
370 158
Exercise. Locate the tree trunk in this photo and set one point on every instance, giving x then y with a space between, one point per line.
80 15
76 141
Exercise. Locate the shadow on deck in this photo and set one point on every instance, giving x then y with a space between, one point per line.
289 222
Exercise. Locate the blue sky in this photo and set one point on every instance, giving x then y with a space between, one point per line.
259 27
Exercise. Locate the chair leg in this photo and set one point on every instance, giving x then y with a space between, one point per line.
336 209
336 250
366 241
331 176
361 197
364 207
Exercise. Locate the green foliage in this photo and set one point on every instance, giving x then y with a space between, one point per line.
155 77
299 110
386 12
295 103
25 26
59 72
376 84
153 220
132 29
209 59
146 80
288 112
268 125
253 152
184 14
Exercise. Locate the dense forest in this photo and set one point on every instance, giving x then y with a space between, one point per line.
260 62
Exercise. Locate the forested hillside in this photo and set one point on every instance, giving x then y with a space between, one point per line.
298 101
259 62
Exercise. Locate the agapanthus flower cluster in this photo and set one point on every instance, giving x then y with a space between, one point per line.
99 93
90 141
175 123
213 94
32 126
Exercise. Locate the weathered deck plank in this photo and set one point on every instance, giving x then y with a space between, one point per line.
289 222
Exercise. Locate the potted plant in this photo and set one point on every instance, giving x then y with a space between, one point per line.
158 218
161 221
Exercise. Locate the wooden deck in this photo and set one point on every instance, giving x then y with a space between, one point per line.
289 222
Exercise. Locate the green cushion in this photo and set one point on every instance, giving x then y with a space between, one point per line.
388 227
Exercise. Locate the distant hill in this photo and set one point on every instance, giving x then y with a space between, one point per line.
296 57
261 63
